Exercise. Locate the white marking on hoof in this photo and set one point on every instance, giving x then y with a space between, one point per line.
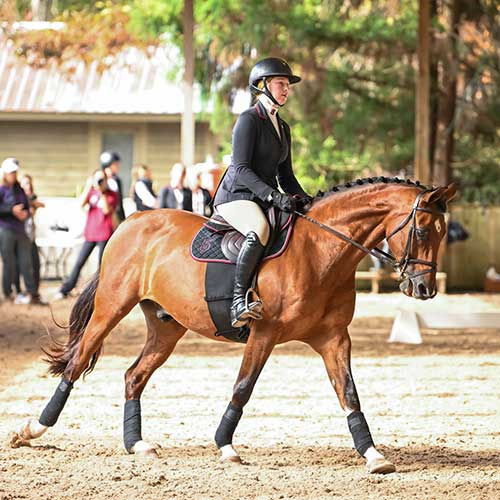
30 430
35 429
380 466
228 454
376 463
144 448
371 453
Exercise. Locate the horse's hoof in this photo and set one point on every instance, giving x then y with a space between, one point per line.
16 441
144 449
31 430
380 466
234 460
229 455
148 453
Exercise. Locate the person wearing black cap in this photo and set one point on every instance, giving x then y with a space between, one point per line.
261 158
110 163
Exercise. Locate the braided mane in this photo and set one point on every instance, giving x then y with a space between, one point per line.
368 180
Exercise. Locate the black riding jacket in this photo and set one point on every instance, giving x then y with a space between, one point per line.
260 160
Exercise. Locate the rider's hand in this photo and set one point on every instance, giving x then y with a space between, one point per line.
19 212
303 202
283 201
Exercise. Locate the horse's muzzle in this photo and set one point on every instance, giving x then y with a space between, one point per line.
418 288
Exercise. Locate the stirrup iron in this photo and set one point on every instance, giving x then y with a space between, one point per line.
253 309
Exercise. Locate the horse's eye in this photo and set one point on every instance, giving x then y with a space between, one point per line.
421 233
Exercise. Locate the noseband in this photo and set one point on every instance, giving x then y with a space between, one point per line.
406 259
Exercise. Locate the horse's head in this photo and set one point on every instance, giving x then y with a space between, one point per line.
414 240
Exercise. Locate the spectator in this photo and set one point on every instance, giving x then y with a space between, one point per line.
14 210
110 163
102 203
176 195
29 226
201 198
456 232
142 188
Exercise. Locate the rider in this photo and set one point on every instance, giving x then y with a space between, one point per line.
261 158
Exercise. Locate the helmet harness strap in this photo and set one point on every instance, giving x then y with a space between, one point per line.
266 92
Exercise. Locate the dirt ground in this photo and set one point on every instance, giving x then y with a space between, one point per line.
433 409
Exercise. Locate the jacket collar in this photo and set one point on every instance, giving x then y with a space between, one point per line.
262 113
261 110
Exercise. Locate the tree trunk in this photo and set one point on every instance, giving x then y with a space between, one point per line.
434 97
443 154
422 101
188 125
41 10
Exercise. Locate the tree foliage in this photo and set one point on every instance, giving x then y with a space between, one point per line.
95 31
353 113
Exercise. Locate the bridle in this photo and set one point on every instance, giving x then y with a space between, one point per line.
406 259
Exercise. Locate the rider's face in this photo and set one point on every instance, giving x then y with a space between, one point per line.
279 88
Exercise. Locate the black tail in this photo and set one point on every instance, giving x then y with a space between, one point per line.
59 355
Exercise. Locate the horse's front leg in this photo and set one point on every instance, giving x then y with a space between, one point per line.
336 353
259 347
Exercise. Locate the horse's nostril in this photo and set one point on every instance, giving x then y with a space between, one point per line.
422 290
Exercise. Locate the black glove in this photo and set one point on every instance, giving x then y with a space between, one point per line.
303 201
283 201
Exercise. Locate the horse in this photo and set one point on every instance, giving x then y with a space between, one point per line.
308 295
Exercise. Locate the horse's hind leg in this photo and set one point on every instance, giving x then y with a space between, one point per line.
161 340
336 354
96 312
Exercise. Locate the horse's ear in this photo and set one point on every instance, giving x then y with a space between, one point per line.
443 194
450 192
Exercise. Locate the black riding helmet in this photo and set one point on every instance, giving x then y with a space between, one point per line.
108 157
268 68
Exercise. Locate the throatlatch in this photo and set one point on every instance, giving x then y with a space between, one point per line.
54 407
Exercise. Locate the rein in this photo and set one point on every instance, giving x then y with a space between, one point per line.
401 265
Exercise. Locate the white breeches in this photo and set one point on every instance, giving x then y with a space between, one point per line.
246 216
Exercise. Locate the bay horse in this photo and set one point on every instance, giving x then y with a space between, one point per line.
308 294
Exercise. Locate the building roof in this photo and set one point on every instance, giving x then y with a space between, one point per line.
135 84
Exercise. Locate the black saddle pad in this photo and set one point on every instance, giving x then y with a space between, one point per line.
218 244
217 241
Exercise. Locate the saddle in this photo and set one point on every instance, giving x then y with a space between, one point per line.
218 241
218 244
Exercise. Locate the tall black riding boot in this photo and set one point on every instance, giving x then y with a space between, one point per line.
243 308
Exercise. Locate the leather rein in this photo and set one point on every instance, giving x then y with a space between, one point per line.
401 265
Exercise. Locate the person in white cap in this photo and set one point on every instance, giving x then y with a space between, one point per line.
14 210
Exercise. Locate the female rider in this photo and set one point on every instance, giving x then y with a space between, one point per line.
261 158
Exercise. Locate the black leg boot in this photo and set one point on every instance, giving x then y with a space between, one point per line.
243 309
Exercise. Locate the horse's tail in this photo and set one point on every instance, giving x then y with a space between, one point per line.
60 354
